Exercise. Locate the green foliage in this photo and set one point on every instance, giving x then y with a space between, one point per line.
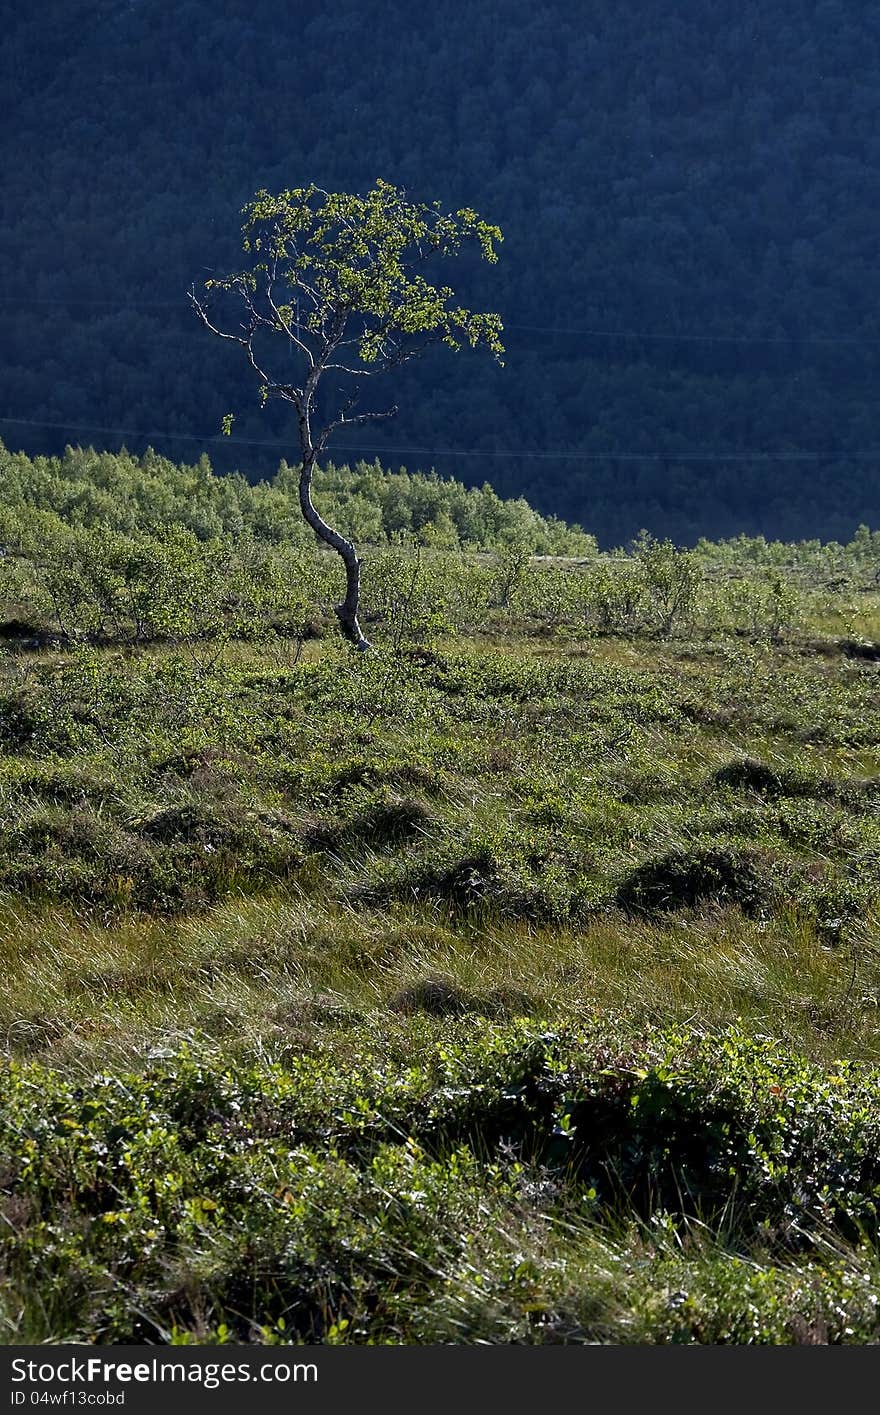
166 585
408 595
488 875
313 1201
425 995
128 494
671 580
337 253
746 774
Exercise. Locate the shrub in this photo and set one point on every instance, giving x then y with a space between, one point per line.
303 1203
671 580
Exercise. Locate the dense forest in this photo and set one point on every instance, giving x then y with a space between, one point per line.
688 281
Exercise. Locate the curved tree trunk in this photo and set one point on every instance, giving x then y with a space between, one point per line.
347 611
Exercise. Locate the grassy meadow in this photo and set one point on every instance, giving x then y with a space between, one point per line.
518 981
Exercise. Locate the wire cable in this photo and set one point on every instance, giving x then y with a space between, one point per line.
571 456
635 334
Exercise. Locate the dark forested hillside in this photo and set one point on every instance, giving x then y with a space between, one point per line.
688 192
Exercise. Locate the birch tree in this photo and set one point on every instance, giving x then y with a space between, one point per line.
335 291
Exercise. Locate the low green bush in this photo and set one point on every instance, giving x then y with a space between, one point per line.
321 1204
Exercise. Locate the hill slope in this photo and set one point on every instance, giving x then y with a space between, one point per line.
700 183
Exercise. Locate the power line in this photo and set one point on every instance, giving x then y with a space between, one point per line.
145 432
695 338
651 456
641 334
70 300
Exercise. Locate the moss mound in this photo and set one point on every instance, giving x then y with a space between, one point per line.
383 823
684 878
749 774
438 997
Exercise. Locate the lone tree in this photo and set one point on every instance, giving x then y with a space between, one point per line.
334 288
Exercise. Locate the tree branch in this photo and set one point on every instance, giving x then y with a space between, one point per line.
294 338
343 420
247 343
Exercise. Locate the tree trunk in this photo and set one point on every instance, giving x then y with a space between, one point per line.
347 611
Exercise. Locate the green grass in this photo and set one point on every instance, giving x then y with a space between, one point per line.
392 997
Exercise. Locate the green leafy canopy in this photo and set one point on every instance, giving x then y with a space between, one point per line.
341 272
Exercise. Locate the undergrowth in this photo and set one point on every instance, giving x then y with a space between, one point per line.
516 982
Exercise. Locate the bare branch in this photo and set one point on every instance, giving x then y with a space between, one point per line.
366 417
203 315
344 420
294 338
287 391
246 342
354 372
